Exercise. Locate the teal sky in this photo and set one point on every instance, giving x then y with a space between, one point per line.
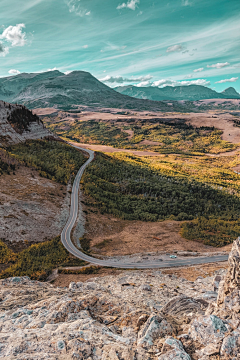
141 42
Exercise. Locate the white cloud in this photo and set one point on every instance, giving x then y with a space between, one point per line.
85 46
233 79
14 72
75 7
190 76
175 48
198 70
15 35
144 83
218 65
53 69
162 82
121 80
202 82
166 82
68 72
131 4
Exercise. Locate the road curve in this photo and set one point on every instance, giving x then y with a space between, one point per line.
67 243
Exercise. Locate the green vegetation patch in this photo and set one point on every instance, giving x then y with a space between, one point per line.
39 260
7 163
130 188
6 255
53 159
169 135
215 232
95 132
20 118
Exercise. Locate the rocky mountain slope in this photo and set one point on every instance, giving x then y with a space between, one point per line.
18 124
132 316
55 89
190 93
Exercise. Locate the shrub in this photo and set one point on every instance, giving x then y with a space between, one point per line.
214 232
38 260
6 255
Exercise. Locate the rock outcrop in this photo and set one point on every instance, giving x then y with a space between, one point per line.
18 124
231 282
218 331
118 318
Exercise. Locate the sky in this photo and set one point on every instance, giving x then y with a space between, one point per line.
123 42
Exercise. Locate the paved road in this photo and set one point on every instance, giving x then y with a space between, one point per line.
66 237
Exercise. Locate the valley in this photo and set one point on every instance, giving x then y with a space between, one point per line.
133 197
158 132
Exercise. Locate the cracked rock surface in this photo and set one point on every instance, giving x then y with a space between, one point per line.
137 315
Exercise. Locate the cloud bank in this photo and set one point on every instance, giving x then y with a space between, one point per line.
233 79
218 65
167 82
144 81
121 80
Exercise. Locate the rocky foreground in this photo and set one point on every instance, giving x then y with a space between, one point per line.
136 315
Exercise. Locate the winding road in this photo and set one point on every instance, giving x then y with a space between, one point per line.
67 242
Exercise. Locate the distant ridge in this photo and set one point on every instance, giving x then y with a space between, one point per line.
55 89
190 93
231 93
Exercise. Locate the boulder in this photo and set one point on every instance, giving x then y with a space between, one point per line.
183 306
173 350
231 346
155 327
208 330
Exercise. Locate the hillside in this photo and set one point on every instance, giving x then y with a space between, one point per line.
190 93
231 93
55 89
18 124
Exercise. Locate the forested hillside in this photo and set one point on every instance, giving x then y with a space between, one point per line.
136 189
53 159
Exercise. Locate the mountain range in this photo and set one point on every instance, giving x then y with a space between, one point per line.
190 93
55 89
